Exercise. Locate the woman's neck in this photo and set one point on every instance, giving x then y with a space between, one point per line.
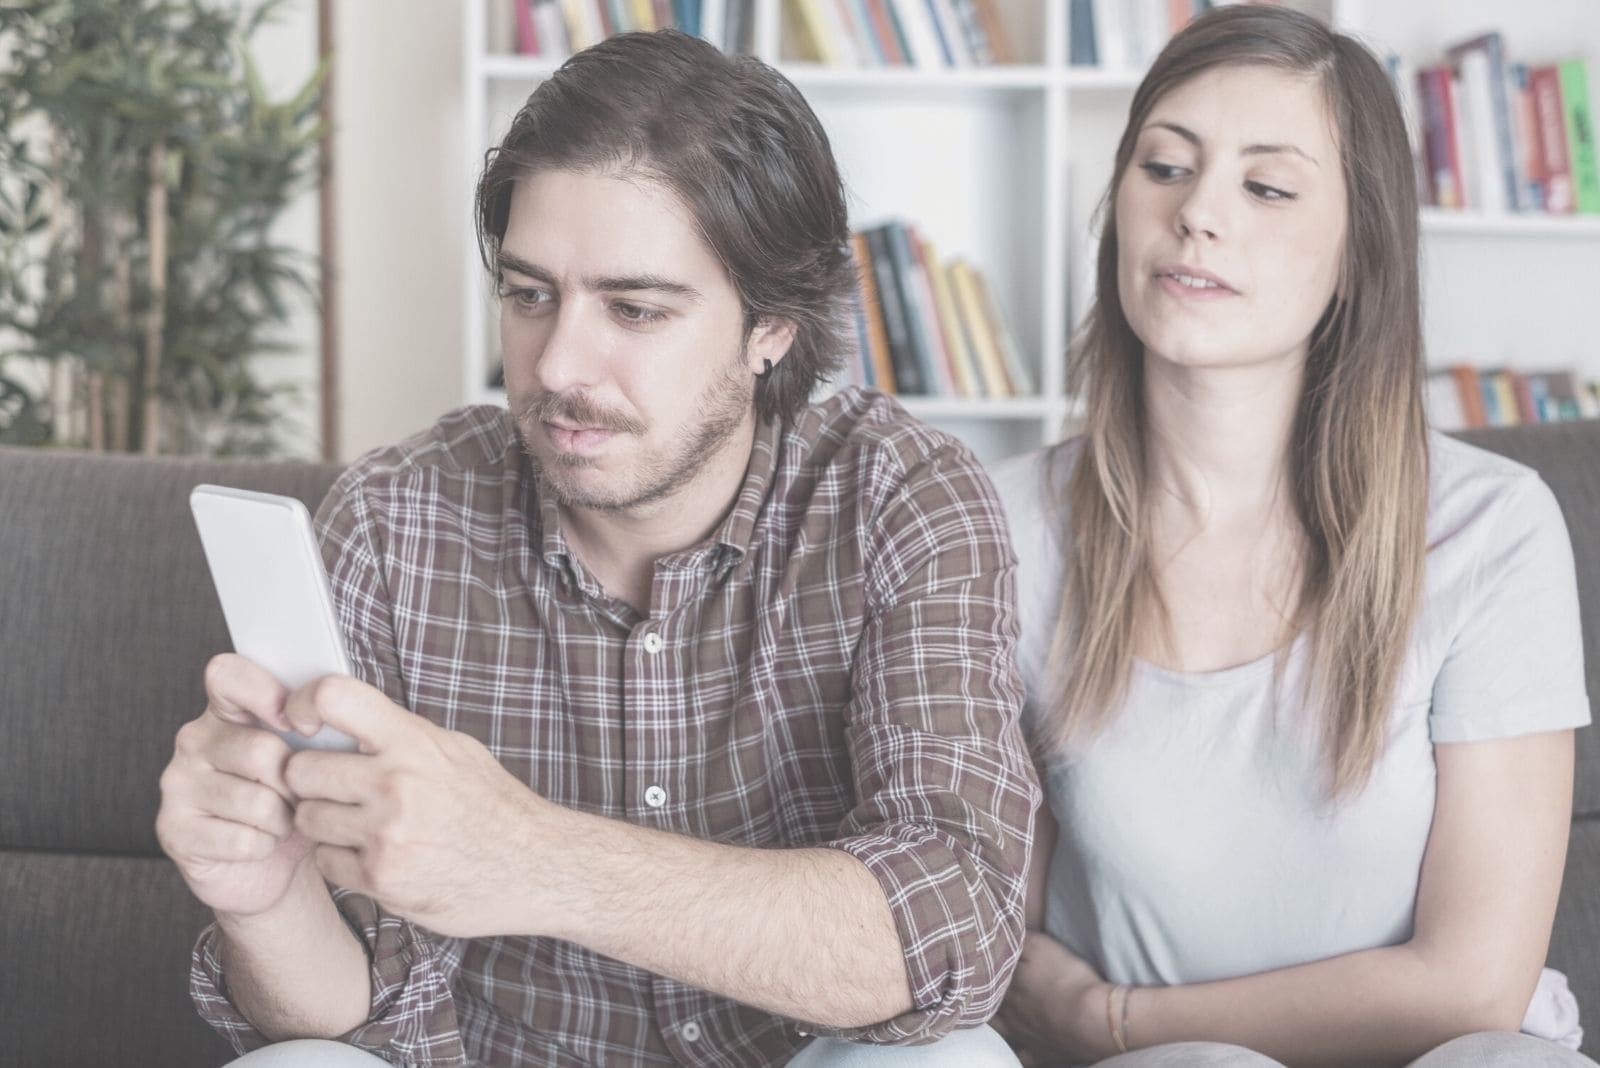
1219 439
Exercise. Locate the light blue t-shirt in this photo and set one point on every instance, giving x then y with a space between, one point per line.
1197 840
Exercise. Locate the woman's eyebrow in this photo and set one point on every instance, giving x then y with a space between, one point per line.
1248 150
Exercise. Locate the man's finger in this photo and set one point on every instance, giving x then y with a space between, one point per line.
223 841
242 691
341 866
349 705
344 778
331 823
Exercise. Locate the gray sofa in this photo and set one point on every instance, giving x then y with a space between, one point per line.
106 617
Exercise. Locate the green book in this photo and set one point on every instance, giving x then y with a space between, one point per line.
1580 135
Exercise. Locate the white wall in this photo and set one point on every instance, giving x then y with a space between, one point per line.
402 201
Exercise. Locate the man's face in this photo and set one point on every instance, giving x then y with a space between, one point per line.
623 339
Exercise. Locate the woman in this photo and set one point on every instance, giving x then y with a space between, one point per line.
1304 675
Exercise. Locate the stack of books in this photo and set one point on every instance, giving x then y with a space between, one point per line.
1495 135
1461 398
900 33
927 328
1127 34
557 28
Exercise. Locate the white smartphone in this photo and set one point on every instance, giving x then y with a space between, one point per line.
268 572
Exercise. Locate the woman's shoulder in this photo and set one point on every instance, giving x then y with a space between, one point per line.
1033 486
1477 497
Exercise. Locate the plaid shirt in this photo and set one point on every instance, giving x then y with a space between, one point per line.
833 667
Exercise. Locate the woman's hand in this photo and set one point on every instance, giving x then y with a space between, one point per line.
1055 1011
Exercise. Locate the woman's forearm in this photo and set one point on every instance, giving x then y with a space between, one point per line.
1378 1006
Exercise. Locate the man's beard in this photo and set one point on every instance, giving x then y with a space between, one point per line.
719 412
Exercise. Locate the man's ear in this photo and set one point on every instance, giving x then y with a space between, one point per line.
770 340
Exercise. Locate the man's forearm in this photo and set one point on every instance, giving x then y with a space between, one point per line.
804 933
296 971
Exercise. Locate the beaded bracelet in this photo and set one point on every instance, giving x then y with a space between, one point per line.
1115 1023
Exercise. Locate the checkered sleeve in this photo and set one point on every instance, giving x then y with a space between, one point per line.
945 792
412 1018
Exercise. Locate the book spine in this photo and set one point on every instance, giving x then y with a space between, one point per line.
948 23
1080 35
994 30
1545 84
915 23
973 32
872 311
1487 184
941 353
1580 135
1010 356
979 334
1530 151
1497 153
961 359
1433 87
1471 396
934 376
907 374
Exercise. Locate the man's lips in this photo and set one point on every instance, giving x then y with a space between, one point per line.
571 438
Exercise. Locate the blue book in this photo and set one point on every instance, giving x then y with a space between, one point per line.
1080 35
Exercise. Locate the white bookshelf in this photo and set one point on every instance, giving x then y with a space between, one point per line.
1005 165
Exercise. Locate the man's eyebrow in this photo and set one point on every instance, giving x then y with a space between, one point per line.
1248 150
630 283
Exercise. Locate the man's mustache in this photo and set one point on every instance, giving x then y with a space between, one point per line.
575 409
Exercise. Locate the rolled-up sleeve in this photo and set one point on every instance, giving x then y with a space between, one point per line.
411 1018
945 790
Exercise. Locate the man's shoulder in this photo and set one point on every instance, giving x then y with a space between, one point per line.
867 437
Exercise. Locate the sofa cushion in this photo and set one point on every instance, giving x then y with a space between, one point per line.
106 980
107 621
1575 942
1567 457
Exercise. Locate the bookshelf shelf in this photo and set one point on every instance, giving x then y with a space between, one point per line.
1479 224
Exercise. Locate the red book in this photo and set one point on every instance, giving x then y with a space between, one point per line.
883 30
1550 121
1471 389
1441 148
527 32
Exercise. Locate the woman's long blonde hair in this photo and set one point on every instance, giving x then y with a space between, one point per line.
1358 455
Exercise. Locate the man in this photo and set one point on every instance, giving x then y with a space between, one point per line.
688 713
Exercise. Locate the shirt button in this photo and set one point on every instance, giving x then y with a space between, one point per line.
655 796
653 642
690 1032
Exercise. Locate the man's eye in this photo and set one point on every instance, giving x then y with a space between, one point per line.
1267 192
1161 172
634 313
526 298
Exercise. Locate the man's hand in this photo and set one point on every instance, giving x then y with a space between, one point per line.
1055 1009
423 820
226 815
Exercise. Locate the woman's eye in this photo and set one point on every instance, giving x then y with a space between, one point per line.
634 313
1267 192
1161 172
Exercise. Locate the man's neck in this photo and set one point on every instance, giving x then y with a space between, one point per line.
620 548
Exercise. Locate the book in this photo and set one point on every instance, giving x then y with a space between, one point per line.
935 373
886 32
527 29
972 30
1482 66
1581 150
1471 394
994 31
979 333
958 53
962 361
943 354
907 371
1435 90
1544 82
1081 50
877 346
1529 150
1010 357
916 24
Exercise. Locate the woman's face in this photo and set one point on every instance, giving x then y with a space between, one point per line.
1231 219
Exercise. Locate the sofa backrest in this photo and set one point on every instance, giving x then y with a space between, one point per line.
1567 457
107 617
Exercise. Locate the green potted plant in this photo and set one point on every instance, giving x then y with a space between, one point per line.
142 167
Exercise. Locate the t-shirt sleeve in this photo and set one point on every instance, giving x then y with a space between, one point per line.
1515 664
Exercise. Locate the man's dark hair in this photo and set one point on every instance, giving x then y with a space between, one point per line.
737 143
